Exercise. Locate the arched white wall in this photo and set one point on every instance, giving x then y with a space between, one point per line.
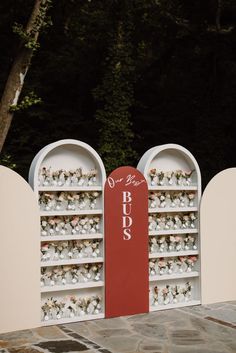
170 154
19 258
65 153
218 238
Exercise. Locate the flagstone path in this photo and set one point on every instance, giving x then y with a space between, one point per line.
198 329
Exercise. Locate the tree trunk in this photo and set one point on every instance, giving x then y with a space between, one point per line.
17 74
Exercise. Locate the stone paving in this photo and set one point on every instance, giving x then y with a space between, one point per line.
198 329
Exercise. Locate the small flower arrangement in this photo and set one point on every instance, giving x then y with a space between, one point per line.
164 295
153 245
70 274
173 221
92 177
171 199
162 244
72 177
160 176
73 249
53 309
70 307
152 271
191 260
55 201
153 176
172 243
70 225
47 201
93 196
179 264
162 266
45 176
169 178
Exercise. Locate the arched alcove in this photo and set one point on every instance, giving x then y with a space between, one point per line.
174 183
68 177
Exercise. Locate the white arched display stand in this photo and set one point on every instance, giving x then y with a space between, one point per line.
218 244
19 260
68 177
174 195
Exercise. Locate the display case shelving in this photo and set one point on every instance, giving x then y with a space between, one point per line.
167 159
70 155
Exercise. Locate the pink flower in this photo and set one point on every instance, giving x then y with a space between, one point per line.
161 263
51 221
74 221
151 264
165 291
152 196
191 196
45 247
161 240
153 172
192 258
57 220
182 258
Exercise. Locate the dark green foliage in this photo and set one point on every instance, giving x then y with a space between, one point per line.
26 102
151 71
41 22
115 96
7 161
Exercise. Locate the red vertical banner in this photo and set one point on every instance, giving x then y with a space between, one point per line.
126 243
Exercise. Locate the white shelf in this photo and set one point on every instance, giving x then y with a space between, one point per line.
70 213
69 320
70 188
172 209
172 187
47 289
173 306
85 260
173 231
69 155
174 276
171 158
71 237
173 254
